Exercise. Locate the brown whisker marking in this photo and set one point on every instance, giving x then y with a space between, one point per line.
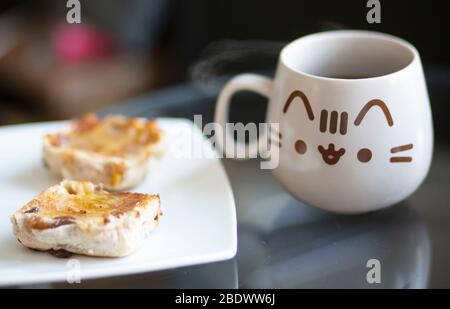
274 143
401 159
323 120
401 148
274 132
344 121
333 122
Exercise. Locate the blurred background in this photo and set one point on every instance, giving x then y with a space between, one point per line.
50 69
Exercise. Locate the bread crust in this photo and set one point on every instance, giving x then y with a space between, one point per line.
82 218
114 151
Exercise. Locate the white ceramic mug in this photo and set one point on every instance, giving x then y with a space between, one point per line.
354 118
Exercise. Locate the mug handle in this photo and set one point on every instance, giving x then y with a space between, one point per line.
252 82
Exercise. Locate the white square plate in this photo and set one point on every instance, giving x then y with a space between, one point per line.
198 223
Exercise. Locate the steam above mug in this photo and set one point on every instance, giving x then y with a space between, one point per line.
355 128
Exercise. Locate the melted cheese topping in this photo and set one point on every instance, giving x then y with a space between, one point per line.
81 200
113 136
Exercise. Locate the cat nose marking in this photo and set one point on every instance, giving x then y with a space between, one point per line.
330 155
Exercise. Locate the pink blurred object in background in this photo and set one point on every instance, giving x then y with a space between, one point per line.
81 43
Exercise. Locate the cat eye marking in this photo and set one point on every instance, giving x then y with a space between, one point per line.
364 155
300 146
371 104
299 94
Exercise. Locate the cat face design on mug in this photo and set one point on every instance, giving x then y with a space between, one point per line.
335 123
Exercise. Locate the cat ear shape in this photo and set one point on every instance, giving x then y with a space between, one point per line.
298 94
371 104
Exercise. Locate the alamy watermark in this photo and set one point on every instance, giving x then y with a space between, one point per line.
74 13
73 275
373 276
234 141
374 14
73 271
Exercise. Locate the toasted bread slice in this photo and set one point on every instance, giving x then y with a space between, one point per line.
114 151
80 217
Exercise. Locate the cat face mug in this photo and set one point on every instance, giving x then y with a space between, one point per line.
354 121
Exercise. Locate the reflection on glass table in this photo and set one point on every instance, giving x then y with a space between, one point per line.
286 244
220 275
